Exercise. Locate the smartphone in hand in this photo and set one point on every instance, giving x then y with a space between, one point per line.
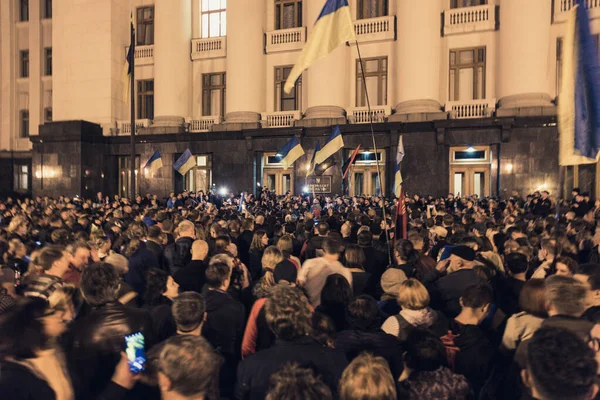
136 355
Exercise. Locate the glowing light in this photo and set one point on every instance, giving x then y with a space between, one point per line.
223 191
509 167
258 184
308 167
305 189
470 149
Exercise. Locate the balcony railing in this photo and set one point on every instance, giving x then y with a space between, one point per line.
375 29
360 115
285 40
471 108
280 119
562 8
125 126
203 49
144 55
204 124
470 19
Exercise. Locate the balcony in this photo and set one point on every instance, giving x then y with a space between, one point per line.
360 115
471 108
203 124
375 29
562 8
144 55
470 19
204 49
124 127
280 119
285 40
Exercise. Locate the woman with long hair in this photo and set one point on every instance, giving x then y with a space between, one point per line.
355 260
161 289
140 258
271 257
335 297
259 243
286 245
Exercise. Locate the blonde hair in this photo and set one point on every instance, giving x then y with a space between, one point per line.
413 295
65 298
271 257
367 378
286 245
16 223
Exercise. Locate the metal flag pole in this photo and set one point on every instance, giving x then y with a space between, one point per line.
132 96
364 80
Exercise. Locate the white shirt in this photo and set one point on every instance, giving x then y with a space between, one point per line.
314 273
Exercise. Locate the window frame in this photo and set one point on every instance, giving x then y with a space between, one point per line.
205 34
142 24
124 175
383 9
461 3
24 64
48 61
280 78
474 65
24 124
207 90
381 83
144 111
23 10
47 9
280 6
21 171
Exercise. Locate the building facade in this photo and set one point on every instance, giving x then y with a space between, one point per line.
471 85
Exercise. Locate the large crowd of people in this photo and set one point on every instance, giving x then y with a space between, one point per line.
300 297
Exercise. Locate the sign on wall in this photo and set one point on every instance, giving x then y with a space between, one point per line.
319 184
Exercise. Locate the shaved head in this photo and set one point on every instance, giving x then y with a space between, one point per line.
199 250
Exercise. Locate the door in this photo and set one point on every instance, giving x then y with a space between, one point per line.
279 180
365 181
470 180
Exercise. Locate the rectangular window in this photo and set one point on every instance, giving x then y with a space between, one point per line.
145 26
124 164
23 10
24 123
213 94
48 61
21 178
199 177
466 3
24 56
214 21
145 98
47 9
467 74
48 114
288 14
376 77
283 100
371 9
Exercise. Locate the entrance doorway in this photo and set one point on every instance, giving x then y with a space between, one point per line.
276 178
470 171
364 179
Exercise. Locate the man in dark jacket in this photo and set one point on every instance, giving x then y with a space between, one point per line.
94 342
288 315
178 254
192 276
315 244
224 327
154 244
377 261
245 239
589 275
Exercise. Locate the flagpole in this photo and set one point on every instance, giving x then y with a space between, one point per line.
364 80
132 95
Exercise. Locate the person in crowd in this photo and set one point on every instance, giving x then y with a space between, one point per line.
155 243
286 245
178 254
260 241
296 383
314 245
566 266
160 291
271 257
314 272
335 297
415 313
376 258
8 294
80 258
509 289
189 313
55 262
127 295
288 315
192 277
362 281
140 258
367 378
522 325
245 240
589 275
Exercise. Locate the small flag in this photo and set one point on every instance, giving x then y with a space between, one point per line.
398 174
349 162
290 152
333 144
184 163
333 28
579 99
312 164
128 63
154 163
400 154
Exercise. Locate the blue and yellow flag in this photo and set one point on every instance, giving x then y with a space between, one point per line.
154 163
334 143
312 164
333 27
184 163
579 98
398 174
290 152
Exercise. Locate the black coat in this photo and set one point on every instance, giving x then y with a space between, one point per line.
446 291
157 250
255 264
139 264
192 277
162 318
254 373
244 241
178 254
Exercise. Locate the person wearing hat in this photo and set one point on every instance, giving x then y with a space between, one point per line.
455 275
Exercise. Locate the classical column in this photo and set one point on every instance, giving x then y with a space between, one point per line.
172 65
327 80
418 60
523 50
36 68
245 61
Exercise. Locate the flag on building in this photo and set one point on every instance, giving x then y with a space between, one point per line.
290 152
398 174
579 97
400 231
349 162
126 76
184 163
333 28
312 165
333 144
154 163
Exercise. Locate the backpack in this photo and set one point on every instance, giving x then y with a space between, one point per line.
451 348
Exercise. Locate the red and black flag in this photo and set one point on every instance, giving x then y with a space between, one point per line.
401 217
348 163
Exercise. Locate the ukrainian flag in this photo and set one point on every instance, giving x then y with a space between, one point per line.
154 163
579 98
333 27
290 152
398 175
312 165
184 163
334 143
129 59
